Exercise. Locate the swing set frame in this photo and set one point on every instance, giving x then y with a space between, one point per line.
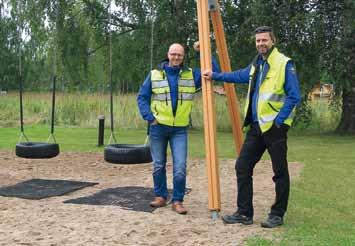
204 7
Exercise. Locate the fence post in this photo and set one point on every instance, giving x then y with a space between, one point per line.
101 130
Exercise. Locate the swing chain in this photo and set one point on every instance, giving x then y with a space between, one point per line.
112 137
51 137
23 136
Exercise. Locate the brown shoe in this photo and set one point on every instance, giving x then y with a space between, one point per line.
158 202
179 208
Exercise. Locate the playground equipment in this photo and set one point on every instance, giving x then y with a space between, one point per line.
123 153
36 150
203 7
131 153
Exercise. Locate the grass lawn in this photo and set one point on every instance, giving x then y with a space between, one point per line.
322 202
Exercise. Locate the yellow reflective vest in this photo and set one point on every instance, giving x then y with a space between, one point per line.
161 100
271 91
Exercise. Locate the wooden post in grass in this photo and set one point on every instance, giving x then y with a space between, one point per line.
224 61
214 200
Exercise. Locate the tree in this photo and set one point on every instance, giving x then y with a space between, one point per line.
338 55
343 67
316 34
8 54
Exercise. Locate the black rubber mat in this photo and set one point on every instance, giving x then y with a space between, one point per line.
133 198
42 188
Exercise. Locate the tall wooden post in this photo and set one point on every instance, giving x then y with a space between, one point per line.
224 61
214 200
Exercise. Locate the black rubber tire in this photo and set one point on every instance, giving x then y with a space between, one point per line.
127 154
37 150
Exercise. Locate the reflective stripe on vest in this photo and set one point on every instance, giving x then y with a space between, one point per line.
161 99
271 91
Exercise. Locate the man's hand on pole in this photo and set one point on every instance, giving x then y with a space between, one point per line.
197 46
207 74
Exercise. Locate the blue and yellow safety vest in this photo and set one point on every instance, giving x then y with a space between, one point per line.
271 91
161 106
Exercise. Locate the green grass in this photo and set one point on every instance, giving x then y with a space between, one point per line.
70 139
85 139
83 109
321 207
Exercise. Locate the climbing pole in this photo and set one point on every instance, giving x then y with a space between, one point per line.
224 61
203 7
214 200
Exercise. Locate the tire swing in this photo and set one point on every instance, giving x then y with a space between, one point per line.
36 150
123 153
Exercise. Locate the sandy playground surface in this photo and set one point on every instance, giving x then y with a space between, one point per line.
49 221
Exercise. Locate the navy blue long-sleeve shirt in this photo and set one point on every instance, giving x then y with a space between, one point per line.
172 73
291 87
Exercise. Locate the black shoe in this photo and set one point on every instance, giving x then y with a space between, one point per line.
272 221
237 218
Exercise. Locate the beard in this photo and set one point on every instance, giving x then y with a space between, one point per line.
262 49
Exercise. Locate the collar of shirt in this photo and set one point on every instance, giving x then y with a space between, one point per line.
172 70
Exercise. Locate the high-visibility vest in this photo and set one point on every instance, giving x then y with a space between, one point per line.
271 91
161 106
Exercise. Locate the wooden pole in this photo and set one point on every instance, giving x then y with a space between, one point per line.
224 61
214 201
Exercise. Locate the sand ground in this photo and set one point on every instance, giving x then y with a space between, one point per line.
49 221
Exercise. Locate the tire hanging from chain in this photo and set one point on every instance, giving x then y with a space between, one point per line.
124 153
36 150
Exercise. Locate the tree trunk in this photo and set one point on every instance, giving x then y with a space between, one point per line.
345 66
347 122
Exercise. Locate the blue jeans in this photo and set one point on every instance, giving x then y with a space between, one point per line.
160 136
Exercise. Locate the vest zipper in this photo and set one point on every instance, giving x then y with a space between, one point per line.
166 98
260 81
155 107
181 98
272 107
